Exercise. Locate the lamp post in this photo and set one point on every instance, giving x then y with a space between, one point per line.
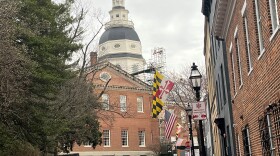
189 112
195 78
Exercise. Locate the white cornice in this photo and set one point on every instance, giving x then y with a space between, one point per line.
102 65
223 14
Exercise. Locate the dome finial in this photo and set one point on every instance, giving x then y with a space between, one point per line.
118 3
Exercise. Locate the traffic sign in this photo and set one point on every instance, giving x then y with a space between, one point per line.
199 111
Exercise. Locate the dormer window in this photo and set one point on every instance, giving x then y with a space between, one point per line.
117 45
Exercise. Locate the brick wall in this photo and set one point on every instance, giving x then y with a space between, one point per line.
132 121
260 87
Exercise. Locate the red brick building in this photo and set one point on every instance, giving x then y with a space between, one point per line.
250 29
126 122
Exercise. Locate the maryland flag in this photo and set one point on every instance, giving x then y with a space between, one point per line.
161 88
179 129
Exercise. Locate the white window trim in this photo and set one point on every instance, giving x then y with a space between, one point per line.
141 106
259 27
248 43
249 142
104 79
239 147
233 68
274 33
108 104
272 146
109 139
126 138
123 109
261 54
235 31
239 61
275 20
249 73
244 8
144 139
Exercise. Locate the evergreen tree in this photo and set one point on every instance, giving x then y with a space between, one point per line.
39 108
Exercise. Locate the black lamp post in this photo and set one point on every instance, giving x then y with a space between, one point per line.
195 78
189 112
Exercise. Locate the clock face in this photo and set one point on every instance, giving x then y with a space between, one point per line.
104 76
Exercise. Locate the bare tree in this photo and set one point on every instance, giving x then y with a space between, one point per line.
183 92
86 30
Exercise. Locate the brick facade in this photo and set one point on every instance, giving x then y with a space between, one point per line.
132 121
260 86
251 36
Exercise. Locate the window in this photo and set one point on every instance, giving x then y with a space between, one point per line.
232 69
266 135
247 41
273 15
117 15
213 50
238 152
139 104
141 138
123 103
218 97
238 60
105 101
259 26
124 135
104 76
223 85
106 138
246 141
276 128
87 144
117 45
220 93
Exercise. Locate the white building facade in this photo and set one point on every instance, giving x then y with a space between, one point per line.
120 44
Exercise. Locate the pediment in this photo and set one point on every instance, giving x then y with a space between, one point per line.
100 73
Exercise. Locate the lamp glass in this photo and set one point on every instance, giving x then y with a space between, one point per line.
196 82
195 77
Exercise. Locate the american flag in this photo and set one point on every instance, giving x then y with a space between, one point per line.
169 120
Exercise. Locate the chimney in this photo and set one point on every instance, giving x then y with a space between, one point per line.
93 58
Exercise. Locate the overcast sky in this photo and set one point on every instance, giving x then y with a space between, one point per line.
176 25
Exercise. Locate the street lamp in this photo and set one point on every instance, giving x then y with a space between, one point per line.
195 78
189 112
